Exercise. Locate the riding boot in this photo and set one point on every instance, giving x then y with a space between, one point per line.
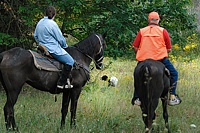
64 81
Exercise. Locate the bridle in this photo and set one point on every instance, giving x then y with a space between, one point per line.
100 50
100 43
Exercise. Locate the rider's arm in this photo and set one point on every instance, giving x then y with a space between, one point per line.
59 36
167 40
136 42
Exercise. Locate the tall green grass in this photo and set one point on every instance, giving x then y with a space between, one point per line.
103 109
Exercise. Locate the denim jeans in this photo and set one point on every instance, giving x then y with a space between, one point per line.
173 76
65 59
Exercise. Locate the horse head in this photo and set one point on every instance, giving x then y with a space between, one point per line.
93 48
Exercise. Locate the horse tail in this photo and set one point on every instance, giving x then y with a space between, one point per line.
147 82
1 79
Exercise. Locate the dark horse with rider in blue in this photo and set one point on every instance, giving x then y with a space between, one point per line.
17 68
151 82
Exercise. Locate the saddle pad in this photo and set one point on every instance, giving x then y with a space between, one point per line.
44 63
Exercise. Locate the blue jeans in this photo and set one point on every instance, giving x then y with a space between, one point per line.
173 76
65 59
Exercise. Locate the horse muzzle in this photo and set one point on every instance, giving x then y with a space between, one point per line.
99 66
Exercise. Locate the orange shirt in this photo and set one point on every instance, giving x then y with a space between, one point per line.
152 43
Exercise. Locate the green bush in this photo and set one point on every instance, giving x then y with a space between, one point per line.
120 19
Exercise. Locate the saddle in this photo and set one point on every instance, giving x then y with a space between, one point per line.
44 61
43 50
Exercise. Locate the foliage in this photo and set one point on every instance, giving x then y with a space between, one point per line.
78 18
6 40
170 12
187 52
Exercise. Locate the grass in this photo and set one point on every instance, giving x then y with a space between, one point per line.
103 109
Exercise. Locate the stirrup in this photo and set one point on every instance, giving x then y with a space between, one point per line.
68 85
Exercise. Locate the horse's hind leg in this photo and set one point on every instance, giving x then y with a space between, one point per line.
65 105
9 110
9 117
149 115
12 93
165 112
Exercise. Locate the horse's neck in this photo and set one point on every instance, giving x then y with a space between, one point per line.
86 49
80 55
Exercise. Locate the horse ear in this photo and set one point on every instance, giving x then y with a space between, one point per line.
104 34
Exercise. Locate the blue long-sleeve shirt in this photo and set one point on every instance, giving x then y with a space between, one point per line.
49 34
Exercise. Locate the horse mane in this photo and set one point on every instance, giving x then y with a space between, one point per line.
87 45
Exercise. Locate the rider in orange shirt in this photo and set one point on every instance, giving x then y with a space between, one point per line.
154 42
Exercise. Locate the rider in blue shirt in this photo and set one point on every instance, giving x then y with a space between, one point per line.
48 34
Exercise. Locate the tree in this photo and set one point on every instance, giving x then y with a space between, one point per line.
78 18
